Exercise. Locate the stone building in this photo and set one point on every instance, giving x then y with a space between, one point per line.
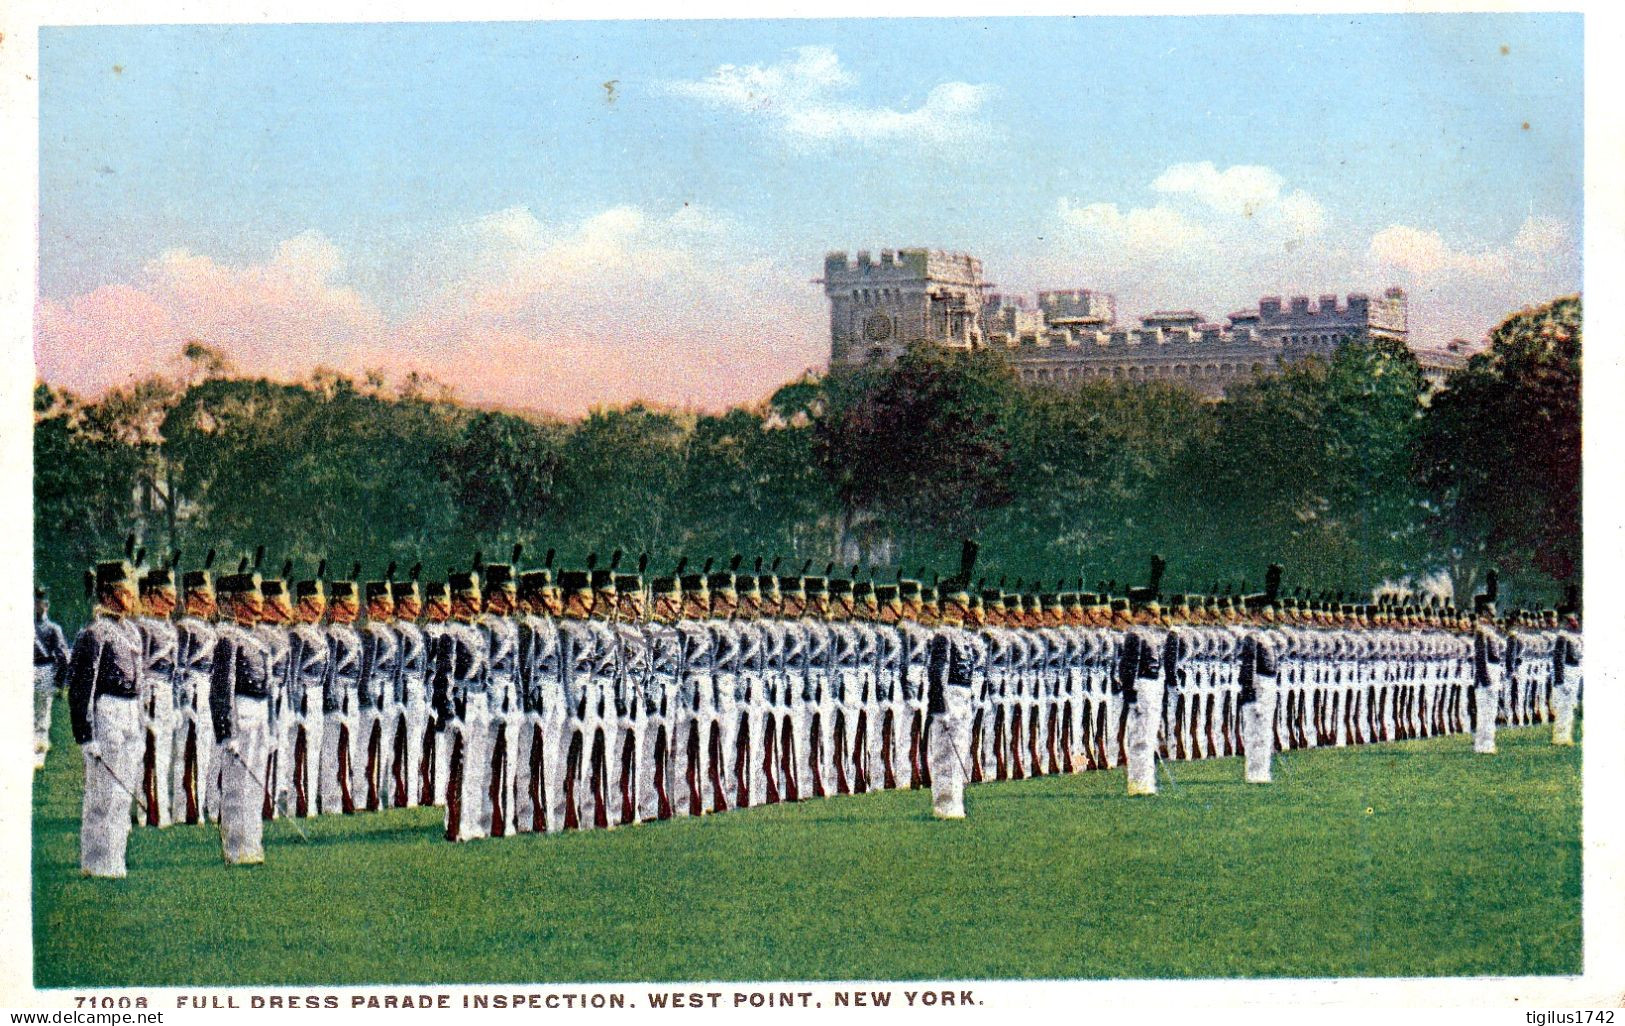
877 309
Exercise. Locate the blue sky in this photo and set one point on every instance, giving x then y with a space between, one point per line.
587 196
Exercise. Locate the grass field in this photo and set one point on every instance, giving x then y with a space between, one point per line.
1408 859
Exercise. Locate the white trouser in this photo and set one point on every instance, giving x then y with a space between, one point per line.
529 804
473 797
726 795
624 784
596 739
653 757
191 774
877 745
811 723
109 777
688 760
790 749
300 765
389 732
337 763
1113 706
498 768
44 690
282 744
758 721
417 724
948 754
367 759
159 726
1144 717
1257 731
242 759
1564 699
1488 703
829 756
892 729
558 730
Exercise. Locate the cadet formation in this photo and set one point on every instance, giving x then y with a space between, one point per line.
532 701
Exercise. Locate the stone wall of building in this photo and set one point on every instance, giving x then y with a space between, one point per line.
878 308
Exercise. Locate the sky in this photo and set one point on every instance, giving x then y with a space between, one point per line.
563 214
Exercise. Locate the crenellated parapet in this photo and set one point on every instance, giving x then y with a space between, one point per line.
880 304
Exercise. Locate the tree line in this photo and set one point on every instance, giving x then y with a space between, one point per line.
1347 471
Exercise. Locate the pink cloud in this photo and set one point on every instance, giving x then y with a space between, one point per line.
619 307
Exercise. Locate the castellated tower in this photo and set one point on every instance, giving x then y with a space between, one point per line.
878 308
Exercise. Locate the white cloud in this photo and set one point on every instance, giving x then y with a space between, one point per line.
800 98
1245 191
1216 239
1212 239
1423 251
1464 288
1144 230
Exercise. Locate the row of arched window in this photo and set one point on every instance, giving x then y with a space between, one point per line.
1136 372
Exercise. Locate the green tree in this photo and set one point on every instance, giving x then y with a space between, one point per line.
920 450
1499 454
620 473
1305 467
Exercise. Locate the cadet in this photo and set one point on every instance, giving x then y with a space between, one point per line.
340 699
409 709
273 632
194 790
1489 663
770 716
1567 663
818 708
657 761
631 705
1259 679
751 719
580 722
911 692
949 689
541 697
375 693
302 724
844 687
50 671
159 641
603 727
507 716
239 694
794 748
463 710
104 685
888 726
436 756
1140 676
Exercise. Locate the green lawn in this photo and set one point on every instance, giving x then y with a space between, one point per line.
1405 859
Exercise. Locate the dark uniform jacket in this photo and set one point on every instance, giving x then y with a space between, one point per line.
106 661
50 647
242 667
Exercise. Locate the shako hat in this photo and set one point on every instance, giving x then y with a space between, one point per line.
459 582
575 582
313 587
245 583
